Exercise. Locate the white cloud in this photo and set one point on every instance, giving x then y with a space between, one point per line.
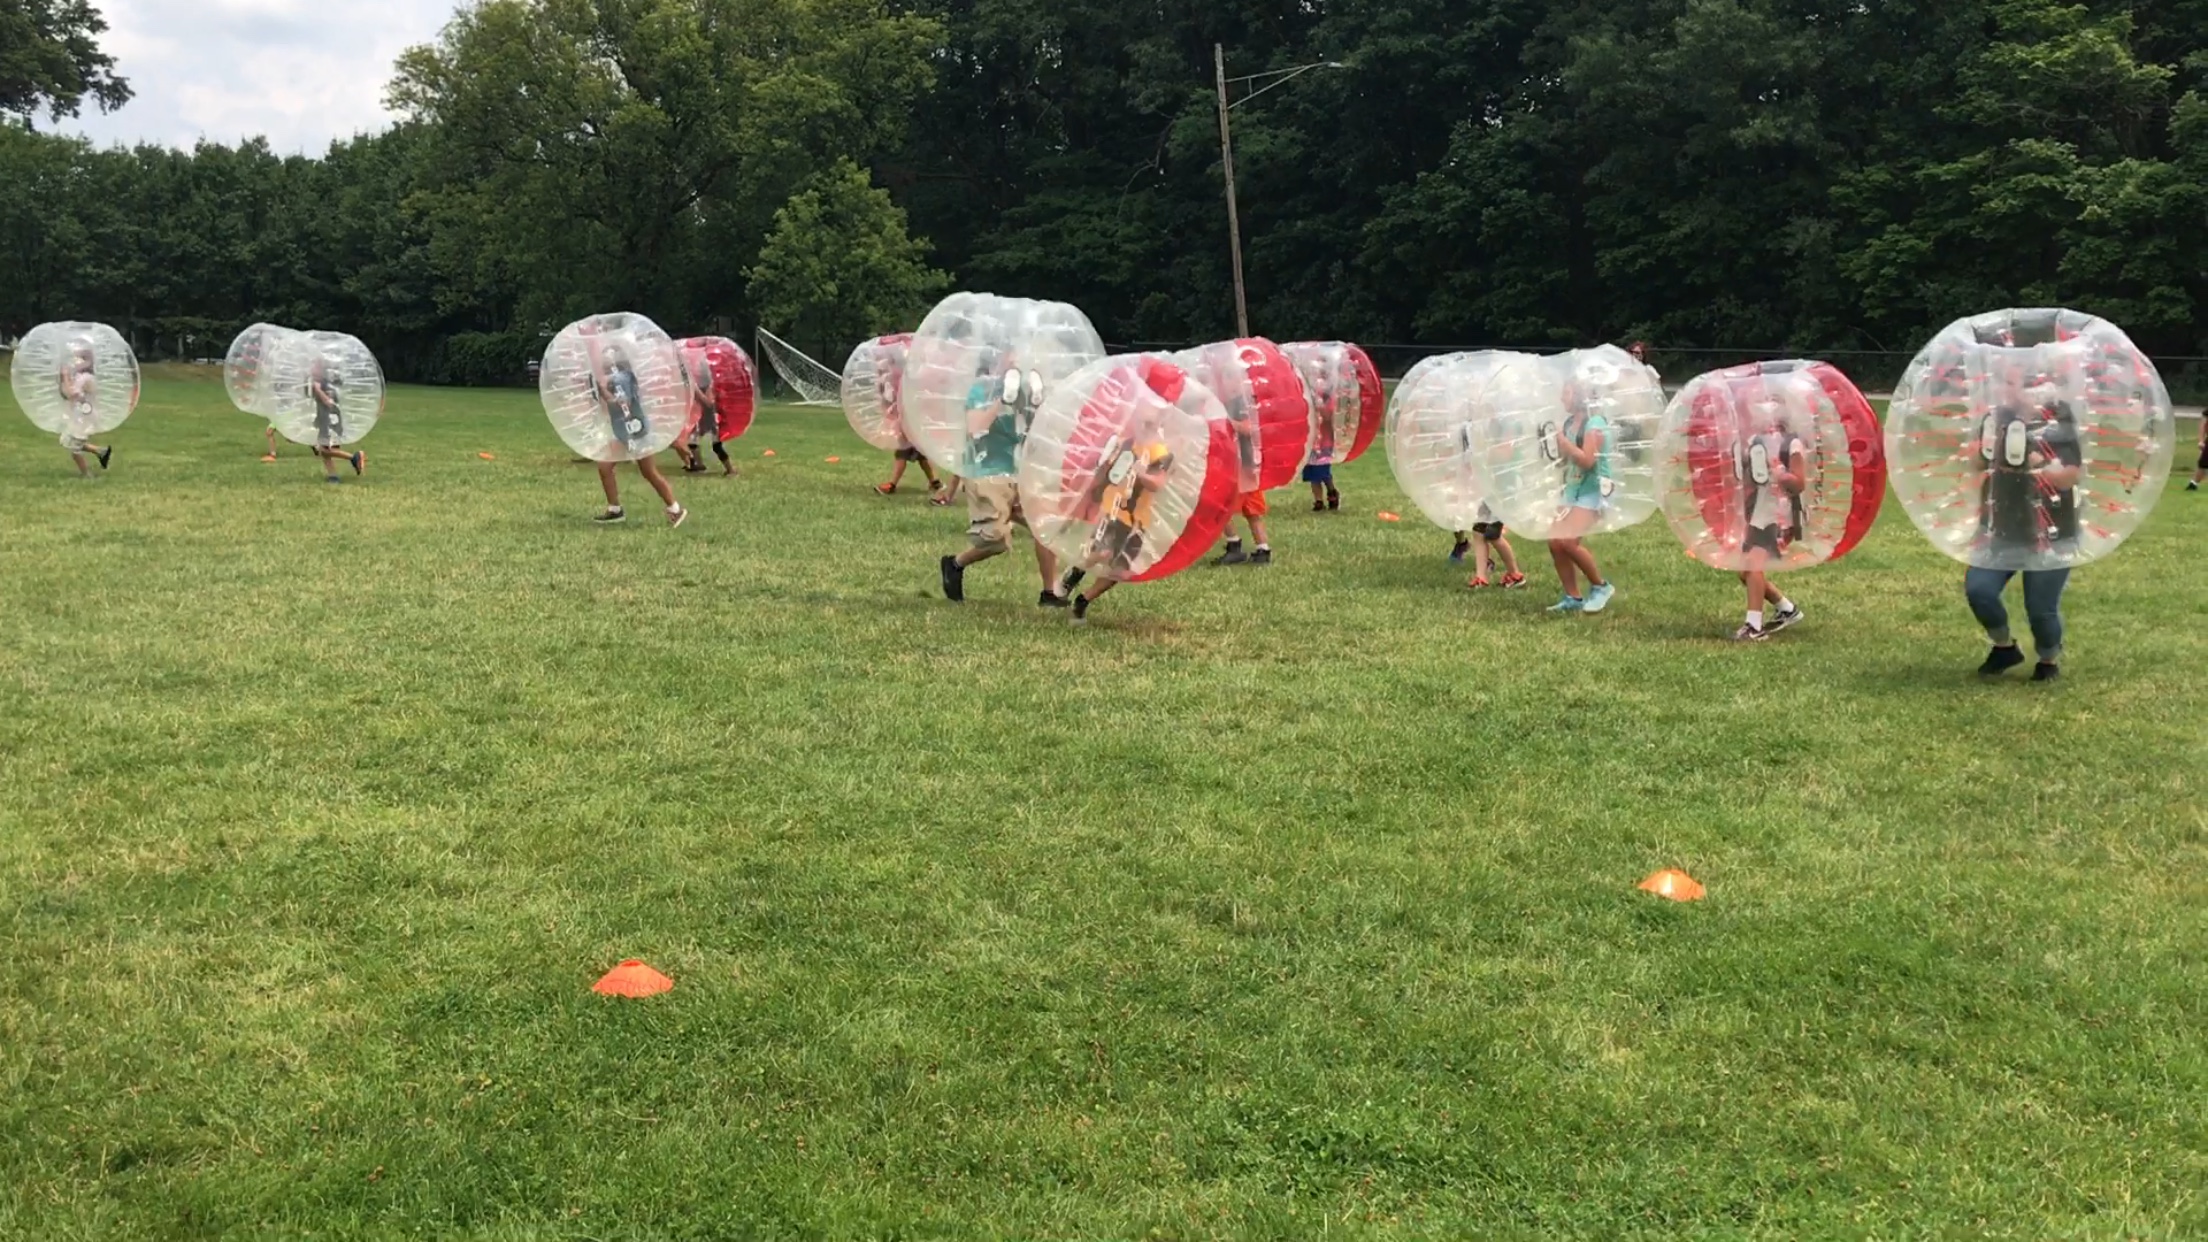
301 72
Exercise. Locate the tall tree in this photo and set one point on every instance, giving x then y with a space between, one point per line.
50 59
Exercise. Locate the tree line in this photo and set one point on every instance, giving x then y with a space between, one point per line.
1733 175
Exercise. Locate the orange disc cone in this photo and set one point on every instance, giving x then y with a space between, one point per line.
269 457
768 453
632 978
833 460
1386 516
1673 885
486 457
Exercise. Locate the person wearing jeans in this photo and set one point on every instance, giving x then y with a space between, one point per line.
2029 511
2042 611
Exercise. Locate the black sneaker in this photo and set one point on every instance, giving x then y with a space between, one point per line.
1234 555
1318 506
1262 556
1051 599
1080 610
1456 554
609 517
2044 671
2000 660
106 453
1781 620
954 580
1333 499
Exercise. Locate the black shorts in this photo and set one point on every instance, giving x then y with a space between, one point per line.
910 454
1769 538
1490 531
2204 455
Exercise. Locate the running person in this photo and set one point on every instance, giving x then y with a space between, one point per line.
2029 501
326 388
1126 499
1774 465
998 404
705 418
1582 446
80 391
613 382
1487 542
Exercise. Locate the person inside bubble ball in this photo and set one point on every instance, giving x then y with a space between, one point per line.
325 386
2028 445
995 405
888 386
1486 542
705 417
1582 445
1250 506
80 392
1773 467
1124 496
614 386
1318 471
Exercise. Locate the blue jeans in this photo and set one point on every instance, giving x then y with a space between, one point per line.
2042 606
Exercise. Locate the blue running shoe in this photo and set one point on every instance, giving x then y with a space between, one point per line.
1570 603
1599 598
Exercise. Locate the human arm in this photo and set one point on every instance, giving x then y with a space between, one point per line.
1586 450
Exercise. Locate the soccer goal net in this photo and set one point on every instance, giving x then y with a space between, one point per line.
813 383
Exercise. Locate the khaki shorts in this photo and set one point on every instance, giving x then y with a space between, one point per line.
75 444
992 510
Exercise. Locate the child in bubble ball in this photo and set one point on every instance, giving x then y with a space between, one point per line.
80 389
613 383
1486 542
1775 467
1582 446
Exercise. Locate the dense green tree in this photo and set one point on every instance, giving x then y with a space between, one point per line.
50 59
838 266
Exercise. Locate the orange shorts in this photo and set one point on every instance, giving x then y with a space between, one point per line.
1252 504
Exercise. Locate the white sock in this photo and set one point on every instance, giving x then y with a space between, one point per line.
675 507
1264 547
1755 620
1785 604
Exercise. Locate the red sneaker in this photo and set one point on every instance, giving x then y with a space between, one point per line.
1512 582
1477 584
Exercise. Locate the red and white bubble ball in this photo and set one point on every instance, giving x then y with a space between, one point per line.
1771 466
1429 435
1348 402
1130 469
75 380
1265 401
2030 439
978 357
1528 403
873 382
613 386
723 387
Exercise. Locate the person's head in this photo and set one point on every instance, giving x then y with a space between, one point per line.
616 357
1639 351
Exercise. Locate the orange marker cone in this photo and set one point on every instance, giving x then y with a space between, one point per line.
1673 885
486 457
1386 516
632 978
768 453
833 460
269 457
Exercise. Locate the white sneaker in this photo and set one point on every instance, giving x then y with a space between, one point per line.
677 516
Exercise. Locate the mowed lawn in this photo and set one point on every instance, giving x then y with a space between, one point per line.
1284 902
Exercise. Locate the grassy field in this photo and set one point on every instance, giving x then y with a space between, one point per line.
1287 902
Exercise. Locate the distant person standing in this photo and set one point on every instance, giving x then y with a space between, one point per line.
2200 470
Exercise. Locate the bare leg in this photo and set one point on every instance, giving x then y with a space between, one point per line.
83 472
1586 562
927 468
1567 569
649 468
1510 556
1257 531
610 483
1479 556
974 556
1047 562
896 471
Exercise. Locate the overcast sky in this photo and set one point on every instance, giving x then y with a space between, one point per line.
299 71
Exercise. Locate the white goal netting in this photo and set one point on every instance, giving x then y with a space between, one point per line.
811 382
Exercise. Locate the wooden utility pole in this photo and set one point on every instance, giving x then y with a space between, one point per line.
1234 216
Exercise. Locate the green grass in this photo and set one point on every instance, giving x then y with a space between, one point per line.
1294 902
